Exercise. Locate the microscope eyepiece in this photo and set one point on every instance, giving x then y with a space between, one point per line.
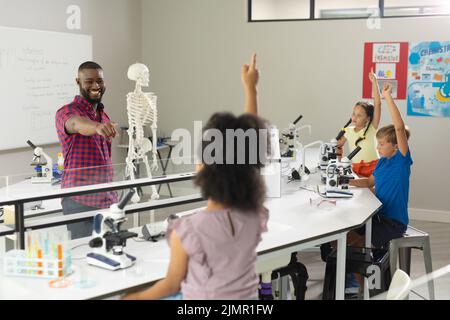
126 199
298 119
353 153
31 144
342 132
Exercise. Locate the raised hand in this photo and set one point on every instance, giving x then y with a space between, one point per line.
387 89
372 76
250 74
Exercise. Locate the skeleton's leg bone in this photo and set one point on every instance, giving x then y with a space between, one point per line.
155 194
155 140
130 172
130 168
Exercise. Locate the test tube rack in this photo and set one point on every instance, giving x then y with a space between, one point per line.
17 263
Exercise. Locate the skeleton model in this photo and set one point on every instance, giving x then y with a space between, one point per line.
141 109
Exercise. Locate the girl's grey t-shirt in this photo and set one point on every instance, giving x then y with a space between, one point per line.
222 254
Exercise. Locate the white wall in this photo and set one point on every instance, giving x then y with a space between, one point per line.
195 50
116 29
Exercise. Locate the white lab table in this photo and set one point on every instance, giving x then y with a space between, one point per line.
294 225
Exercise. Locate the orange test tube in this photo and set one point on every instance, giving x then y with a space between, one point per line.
60 263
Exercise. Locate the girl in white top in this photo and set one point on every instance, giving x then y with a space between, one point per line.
365 120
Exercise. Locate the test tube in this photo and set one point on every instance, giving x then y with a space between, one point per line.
29 253
60 257
39 256
46 245
67 252
29 243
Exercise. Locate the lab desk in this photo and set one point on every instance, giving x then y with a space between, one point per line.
295 223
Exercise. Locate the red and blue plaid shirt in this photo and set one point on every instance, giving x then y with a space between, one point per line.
87 159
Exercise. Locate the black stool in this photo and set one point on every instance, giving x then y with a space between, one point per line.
299 276
358 260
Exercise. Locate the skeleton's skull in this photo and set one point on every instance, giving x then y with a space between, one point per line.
139 72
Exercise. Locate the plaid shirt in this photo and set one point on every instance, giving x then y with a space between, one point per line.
87 159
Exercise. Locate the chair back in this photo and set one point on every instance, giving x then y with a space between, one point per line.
400 286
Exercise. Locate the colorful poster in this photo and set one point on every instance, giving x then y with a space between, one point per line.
386 52
385 71
389 60
429 79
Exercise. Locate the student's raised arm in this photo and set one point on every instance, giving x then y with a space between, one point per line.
399 125
376 99
250 77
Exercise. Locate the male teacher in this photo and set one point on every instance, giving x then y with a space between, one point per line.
85 131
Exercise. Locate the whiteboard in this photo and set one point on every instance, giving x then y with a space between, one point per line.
37 77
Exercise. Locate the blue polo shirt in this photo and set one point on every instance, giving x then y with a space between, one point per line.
392 185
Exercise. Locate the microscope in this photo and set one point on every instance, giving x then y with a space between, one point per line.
327 151
155 230
302 174
290 138
338 175
108 240
44 168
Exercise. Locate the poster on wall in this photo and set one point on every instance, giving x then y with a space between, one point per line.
389 61
429 79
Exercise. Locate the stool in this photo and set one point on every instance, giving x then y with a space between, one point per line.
401 247
298 275
358 260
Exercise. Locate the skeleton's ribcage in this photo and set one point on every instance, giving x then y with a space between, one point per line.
141 110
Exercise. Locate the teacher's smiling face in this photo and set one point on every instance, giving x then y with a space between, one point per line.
92 85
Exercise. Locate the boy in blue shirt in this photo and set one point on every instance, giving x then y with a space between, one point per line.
390 178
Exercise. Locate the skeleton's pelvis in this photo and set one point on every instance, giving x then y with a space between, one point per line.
146 146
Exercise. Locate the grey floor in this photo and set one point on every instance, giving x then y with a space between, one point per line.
440 250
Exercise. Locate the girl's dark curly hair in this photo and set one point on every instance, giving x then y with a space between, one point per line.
234 181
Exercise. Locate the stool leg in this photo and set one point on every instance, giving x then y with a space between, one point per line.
340 266
266 286
366 289
284 287
405 260
329 281
428 265
393 253
368 244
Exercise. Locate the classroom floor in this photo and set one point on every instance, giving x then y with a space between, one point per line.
440 251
